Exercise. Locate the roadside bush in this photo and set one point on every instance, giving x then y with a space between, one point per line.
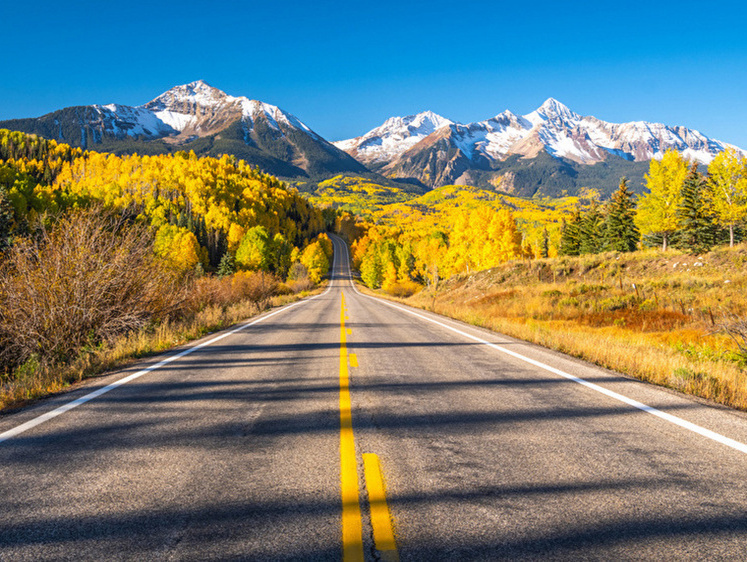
404 289
255 286
735 327
298 278
87 279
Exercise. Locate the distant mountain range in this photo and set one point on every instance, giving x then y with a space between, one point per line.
197 117
549 151
503 150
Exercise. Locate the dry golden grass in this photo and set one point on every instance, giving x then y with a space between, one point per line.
87 293
656 316
34 380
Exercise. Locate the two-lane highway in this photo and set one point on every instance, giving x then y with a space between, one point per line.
252 447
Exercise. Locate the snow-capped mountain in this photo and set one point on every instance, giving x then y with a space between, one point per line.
445 154
198 109
393 137
198 117
115 119
550 151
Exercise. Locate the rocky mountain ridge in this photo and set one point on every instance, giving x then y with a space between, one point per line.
550 151
449 152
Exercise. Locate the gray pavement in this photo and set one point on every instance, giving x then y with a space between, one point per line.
232 452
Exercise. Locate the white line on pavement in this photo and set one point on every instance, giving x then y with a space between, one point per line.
739 446
96 393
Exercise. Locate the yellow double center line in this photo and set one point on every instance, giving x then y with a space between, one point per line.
352 525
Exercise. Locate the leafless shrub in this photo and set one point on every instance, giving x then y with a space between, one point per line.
88 278
735 327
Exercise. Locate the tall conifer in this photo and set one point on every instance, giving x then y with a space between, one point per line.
590 230
696 232
545 245
570 235
620 231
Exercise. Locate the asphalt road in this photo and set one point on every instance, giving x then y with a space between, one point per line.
233 451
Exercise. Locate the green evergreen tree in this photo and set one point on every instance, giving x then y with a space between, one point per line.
591 230
696 230
6 218
620 231
545 244
570 235
227 265
281 255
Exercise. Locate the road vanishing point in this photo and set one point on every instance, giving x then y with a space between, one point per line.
348 427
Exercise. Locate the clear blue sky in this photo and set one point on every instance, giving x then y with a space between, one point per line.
344 67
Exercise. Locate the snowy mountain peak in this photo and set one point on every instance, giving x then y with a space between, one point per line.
510 118
199 85
431 120
252 109
423 123
552 109
394 137
408 145
195 93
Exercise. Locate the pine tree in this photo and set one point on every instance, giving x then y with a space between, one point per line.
281 255
227 265
696 232
620 231
590 230
545 245
570 235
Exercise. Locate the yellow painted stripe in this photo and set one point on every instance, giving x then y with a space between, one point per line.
353 360
350 331
381 519
352 527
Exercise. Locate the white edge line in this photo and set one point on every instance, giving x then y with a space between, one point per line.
734 444
96 393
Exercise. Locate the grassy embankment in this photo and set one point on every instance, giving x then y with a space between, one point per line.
34 380
656 316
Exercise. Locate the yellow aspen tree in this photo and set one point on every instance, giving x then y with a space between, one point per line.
505 235
235 234
727 180
657 209
315 261
390 277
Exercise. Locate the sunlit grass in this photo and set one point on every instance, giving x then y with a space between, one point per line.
656 316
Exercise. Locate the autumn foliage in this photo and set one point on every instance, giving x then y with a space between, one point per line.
99 249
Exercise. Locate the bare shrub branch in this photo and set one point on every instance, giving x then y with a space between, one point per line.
88 278
735 327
